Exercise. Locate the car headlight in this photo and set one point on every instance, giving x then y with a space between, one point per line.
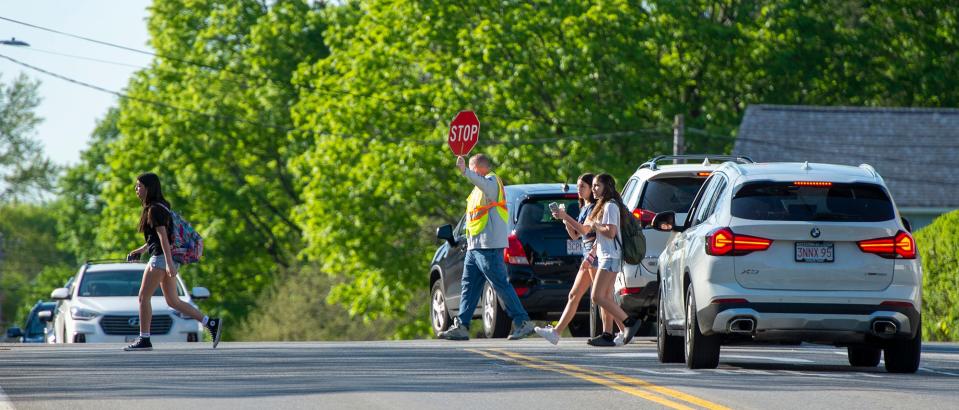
83 314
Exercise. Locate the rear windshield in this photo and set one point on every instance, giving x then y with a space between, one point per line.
115 283
783 201
670 194
535 213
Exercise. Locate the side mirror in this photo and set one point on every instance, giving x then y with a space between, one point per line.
664 221
200 293
60 294
45 316
14 332
905 222
445 233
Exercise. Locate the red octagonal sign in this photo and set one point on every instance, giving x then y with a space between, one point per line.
464 133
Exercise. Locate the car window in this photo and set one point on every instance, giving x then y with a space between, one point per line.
460 229
670 194
785 201
535 213
714 200
630 192
34 326
702 200
115 283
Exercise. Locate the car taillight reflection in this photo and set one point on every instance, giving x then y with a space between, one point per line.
900 246
723 242
645 217
514 253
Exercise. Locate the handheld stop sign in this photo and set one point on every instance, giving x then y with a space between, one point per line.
464 133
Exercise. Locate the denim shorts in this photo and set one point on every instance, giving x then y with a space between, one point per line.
159 262
588 256
611 264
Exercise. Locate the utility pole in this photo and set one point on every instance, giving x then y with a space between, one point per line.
679 144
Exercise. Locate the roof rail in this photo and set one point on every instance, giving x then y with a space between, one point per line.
870 170
92 261
653 164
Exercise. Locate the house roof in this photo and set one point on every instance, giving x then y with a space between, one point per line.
915 150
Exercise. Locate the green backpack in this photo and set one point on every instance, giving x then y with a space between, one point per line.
631 240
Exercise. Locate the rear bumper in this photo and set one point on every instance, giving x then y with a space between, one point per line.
544 300
810 322
641 301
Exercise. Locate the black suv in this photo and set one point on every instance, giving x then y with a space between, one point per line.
541 263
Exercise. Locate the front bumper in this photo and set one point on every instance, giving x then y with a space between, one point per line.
92 331
810 322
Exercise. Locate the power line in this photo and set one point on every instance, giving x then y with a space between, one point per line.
83 58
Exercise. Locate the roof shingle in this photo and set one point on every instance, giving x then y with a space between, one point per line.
914 149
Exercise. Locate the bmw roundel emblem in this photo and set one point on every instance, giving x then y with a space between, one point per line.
815 232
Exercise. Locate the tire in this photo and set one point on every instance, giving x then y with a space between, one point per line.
902 356
439 315
595 320
864 356
496 323
702 352
668 348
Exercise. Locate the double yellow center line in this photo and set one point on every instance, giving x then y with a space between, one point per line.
630 385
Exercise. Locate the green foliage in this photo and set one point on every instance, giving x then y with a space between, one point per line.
295 308
938 245
25 173
27 233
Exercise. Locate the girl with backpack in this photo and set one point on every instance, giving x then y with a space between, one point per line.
605 220
584 277
156 223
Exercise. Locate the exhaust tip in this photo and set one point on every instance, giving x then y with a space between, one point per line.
742 325
884 328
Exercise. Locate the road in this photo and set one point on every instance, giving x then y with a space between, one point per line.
479 374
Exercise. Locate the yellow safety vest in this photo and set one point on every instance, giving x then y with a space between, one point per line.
478 206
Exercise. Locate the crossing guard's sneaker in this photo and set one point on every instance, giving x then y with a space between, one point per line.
522 331
455 332
141 344
215 327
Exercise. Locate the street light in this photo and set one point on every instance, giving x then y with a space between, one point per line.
14 42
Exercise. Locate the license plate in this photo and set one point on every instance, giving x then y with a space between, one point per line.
815 252
574 247
130 339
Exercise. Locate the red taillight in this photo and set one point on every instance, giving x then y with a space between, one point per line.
521 290
630 291
900 246
897 303
514 254
823 184
723 241
645 217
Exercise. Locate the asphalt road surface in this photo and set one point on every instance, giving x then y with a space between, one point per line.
479 374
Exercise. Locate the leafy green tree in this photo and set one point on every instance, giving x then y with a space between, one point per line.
25 172
938 245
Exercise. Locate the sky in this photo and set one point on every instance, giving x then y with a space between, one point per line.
69 111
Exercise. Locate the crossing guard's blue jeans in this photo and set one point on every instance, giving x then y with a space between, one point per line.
482 265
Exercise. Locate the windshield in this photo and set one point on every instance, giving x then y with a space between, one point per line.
670 194
115 283
535 213
34 326
784 201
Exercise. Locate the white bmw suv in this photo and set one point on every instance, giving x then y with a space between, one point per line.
657 186
791 252
99 305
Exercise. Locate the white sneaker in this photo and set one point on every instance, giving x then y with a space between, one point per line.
548 333
620 339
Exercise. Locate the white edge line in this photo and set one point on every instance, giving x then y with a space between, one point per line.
921 368
5 403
